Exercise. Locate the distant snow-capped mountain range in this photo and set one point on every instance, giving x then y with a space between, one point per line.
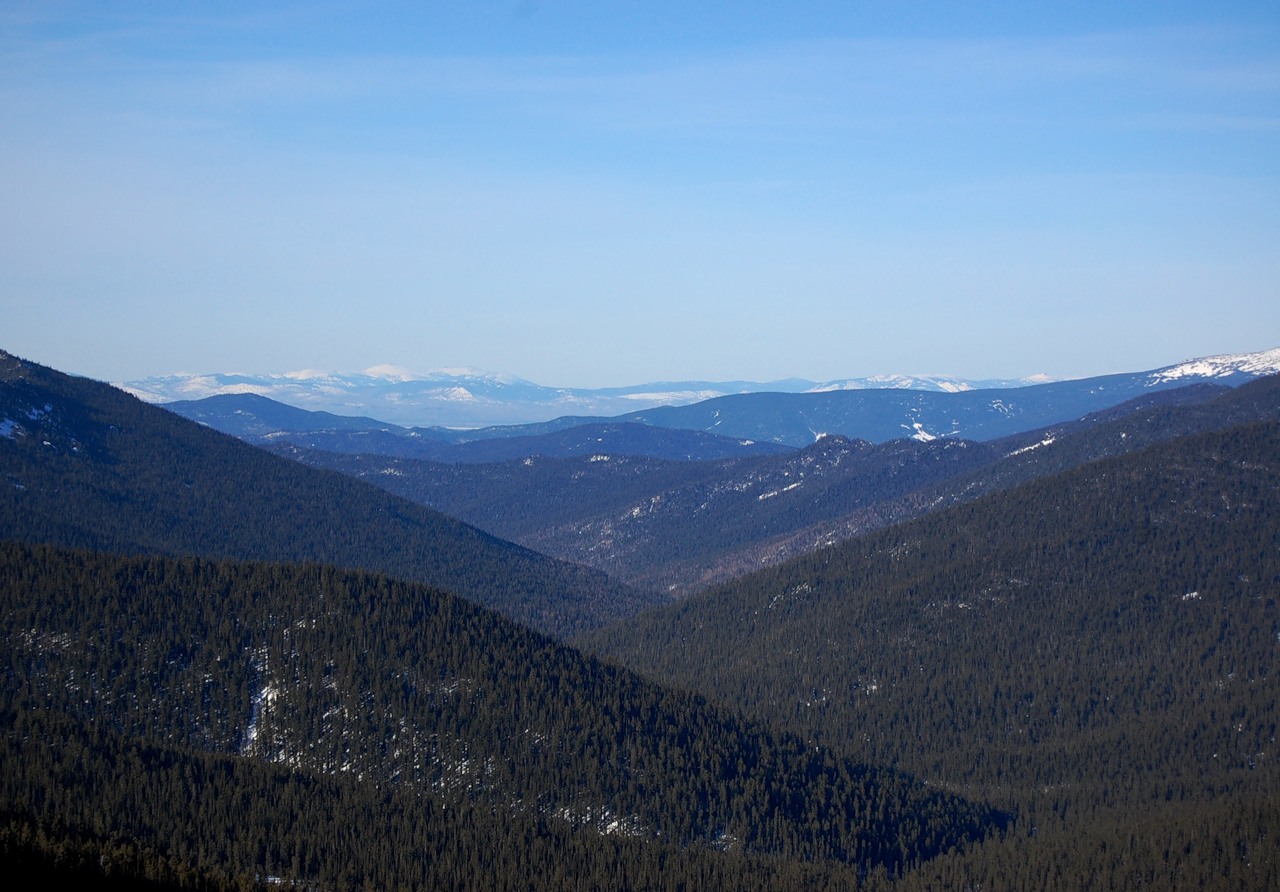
466 398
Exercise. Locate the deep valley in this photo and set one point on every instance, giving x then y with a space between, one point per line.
333 653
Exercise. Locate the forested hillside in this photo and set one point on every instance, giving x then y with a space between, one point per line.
130 683
1059 675
679 526
261 421
797 419
1133 425
1094 651
659 524
86 465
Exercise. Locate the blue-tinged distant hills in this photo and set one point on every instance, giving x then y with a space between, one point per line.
468 399
456 398
882 415
260 420
732 418
677 526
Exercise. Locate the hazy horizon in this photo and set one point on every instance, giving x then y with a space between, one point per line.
588 196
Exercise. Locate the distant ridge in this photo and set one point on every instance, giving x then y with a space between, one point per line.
470 399
466 398
621 514
1229 367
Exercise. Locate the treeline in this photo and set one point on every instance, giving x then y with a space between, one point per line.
1091 650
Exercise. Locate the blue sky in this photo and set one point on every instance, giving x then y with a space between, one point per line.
590 194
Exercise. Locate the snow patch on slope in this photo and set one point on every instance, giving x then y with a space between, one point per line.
456 394
674 397
934 383
921 434
1047 441
1266 362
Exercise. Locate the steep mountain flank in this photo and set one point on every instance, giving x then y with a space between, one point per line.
86 465
373 694
1093 648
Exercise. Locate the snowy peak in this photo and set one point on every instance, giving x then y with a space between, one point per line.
389 373
1224 366
928 383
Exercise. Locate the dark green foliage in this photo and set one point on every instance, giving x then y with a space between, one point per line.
1093 648
1091 651
63 858
89 466
1230 843
103 811
355 676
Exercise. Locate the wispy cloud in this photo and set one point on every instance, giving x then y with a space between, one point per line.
150 160
817 85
